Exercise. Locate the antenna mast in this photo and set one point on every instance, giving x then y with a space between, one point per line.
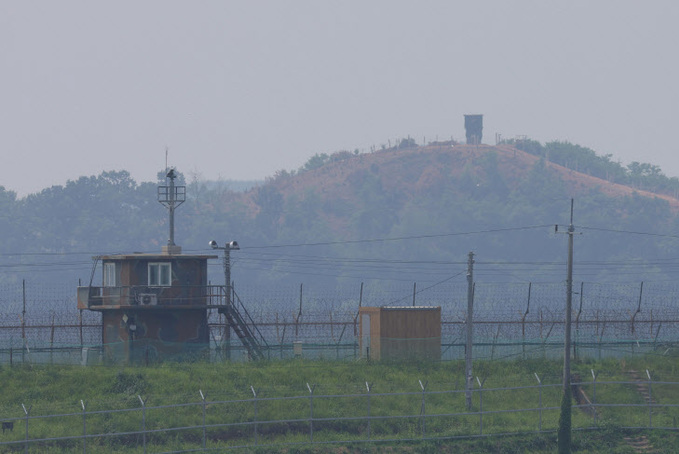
171 197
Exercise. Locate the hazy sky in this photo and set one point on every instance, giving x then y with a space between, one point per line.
239 90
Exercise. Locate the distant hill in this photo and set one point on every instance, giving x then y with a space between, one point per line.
406 173
348 184
337 201
404 214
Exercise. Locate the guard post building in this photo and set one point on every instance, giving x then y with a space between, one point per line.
153 306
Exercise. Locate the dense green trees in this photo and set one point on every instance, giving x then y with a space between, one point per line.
581 159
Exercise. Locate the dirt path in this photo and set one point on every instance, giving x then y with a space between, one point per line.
640 443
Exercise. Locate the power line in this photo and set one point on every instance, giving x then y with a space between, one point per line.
630 232
427 288
367 264
413 237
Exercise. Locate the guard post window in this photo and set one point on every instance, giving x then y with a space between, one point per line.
110 275
159 275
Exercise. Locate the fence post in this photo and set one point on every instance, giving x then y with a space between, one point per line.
278 336
299 314
641 292
650 401
523 323
368 387
544 341
594 395
311 412
143 421
255 404
202 396
603 328
26 411
577 322
23 321
480 404
80 321
360 304
285 325
539 401
52 341
82 403
360 297
655 339
423 411
337 348
492 348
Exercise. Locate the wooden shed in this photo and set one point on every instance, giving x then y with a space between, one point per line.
407 332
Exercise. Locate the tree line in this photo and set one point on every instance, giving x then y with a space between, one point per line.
349 235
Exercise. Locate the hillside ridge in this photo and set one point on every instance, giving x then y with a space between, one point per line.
410 171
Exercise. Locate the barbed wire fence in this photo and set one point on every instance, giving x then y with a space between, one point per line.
510 319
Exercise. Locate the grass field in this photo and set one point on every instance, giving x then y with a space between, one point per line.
50 390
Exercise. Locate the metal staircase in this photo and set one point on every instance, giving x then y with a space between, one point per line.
250 336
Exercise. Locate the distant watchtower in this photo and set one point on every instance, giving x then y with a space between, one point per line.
473 125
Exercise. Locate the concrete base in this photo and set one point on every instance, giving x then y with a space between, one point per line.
172 250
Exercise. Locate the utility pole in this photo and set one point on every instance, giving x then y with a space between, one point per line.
564 433
227 274
470 329
228 247
227 300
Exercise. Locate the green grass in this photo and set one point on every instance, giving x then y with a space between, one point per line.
50 390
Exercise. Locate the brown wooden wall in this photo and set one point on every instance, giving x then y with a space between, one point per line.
403 332
165 332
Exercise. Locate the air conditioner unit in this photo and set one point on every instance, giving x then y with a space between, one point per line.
148 299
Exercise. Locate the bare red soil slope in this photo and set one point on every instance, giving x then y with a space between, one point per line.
407 172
